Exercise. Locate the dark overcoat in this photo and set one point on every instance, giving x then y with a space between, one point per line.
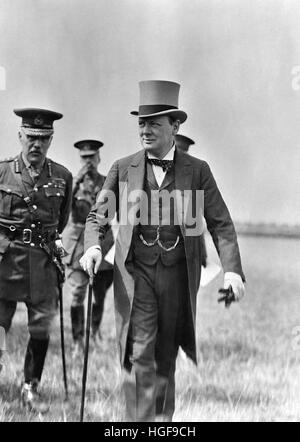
127 176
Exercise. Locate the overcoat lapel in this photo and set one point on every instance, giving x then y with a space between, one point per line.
136 172
183 182
129 194
129 189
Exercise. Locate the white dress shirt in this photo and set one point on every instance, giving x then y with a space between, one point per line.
159 173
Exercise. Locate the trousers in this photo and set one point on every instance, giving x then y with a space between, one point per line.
78 281
40 316
158 313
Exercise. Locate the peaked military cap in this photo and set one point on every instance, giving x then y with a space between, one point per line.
183 142
88 147
37 121
159 97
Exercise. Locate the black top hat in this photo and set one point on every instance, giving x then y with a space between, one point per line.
183 142
158 97
37 121
88 147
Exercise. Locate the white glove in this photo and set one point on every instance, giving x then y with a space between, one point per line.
60 248
235 280
91 260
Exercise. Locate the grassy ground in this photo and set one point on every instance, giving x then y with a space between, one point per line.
249 365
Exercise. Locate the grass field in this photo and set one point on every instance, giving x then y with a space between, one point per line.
249 360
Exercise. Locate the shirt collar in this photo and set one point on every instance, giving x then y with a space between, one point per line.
169 156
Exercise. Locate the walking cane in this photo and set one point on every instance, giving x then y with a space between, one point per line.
61 278
62 339
86 348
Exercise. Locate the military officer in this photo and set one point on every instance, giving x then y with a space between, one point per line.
35 200
86 186
183 143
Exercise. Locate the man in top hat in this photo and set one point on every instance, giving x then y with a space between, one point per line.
156 270
183 143
35 199
87 184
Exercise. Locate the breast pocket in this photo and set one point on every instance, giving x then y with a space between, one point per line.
55 191
7 194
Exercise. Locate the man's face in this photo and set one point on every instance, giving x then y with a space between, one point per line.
157 133
34 148
91 161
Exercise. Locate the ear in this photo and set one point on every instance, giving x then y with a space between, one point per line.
176 126
20 135
50 139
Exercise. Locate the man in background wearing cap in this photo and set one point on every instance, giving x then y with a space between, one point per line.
35 199
87 184
183 143
157 271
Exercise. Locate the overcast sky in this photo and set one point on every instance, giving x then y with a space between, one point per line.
233 59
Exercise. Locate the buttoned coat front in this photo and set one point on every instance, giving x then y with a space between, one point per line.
126 178
26 271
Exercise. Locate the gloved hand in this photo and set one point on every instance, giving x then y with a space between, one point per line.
61 251
235 281
91 260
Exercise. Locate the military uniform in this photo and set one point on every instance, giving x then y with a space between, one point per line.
33 212
73 239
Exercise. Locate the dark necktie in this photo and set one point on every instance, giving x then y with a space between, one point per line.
166 165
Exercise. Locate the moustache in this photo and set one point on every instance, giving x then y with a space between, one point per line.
35 151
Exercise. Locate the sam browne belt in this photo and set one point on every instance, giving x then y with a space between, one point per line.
33 235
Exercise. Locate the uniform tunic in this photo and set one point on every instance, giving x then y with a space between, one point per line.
73 236
26 271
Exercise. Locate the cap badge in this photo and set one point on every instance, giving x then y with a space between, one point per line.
38 121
